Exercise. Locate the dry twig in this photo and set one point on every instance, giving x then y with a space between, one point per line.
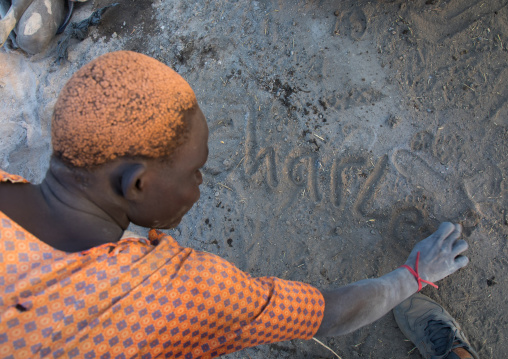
327 347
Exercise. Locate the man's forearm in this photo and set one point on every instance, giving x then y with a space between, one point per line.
355 305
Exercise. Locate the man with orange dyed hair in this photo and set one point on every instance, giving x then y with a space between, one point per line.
128 141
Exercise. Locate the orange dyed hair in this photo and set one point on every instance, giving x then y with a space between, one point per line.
121 104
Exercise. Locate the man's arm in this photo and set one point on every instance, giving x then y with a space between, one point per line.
355 305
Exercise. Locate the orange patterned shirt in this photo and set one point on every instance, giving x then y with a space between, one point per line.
140 298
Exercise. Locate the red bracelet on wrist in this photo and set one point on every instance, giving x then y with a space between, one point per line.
415 273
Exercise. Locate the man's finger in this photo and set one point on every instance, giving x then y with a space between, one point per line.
444 230
453 236
461 261
459 247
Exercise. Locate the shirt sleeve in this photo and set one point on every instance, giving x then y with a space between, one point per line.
214 308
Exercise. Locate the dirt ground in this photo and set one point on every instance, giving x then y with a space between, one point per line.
341 133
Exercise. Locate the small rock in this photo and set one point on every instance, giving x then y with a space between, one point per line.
336 13
393 121
217 194
279 128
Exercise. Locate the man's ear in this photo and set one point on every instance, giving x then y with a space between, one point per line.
132 180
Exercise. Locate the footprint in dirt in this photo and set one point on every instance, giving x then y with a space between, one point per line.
500 108
422 141
501 115
453 17
353 24
485 187
358 24
452 201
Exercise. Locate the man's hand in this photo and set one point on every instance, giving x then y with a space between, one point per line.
440 253
357 304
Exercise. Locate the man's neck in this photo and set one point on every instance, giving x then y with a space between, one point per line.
61 213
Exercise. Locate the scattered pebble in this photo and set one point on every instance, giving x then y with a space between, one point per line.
393 121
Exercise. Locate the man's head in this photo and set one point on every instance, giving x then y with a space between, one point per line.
128 131
122 104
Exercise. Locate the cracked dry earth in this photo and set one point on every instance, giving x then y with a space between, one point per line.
341 133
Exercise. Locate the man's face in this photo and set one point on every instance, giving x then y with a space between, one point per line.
174 186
